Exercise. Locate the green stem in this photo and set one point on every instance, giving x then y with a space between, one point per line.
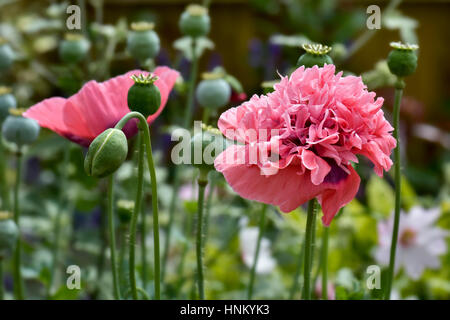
262 224
144 249
301 258
3 182
17 274
397 175
202 182
212 185
309 246
133 223
2 292
112 237
122 253
191 89
206 115
325 263
143 128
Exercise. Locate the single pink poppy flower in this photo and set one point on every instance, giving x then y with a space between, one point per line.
306 134
97 107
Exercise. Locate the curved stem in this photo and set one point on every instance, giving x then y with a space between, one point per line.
112 237
262 223
133 223
325 263
397 175
2 294
3 183
151 167
308 249
191 89
17 275
144 141
202 182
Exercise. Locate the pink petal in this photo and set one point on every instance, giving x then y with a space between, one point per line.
49 114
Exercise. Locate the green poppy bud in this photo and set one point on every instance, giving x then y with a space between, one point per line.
106 153
213 91
74 48
144 95
205 147
20 130
402 60
142 41
125 210
8 232
6 56
195 21
315 55
7 101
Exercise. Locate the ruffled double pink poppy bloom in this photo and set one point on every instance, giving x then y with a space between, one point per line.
314 123
97 107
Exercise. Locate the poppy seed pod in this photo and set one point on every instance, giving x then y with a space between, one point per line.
315 55
8 232
20 130
6 55
106 153
125 210
142 41
7 101
144 95
205 147
402 60
195 21
213 91
73 48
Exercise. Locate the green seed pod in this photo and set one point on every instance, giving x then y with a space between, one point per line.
315 55
7 56
8 232
125 210
106 153
213 91
7 101
195 21
144 95
73 48
20 130
142 41
205 147
402 60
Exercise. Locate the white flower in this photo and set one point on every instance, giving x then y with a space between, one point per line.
248 237
419 242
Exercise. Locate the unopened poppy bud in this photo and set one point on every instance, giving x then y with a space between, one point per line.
315 55
125 210
144 95
402 60
143 41
73 48
106 153
205 147
20 130
6 55
195 21
8 232
213 91
7 101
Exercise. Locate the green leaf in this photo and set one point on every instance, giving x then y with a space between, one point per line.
184 45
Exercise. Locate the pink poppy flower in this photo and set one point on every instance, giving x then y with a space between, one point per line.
97 107
313 124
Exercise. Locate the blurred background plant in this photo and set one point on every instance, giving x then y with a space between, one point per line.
250 42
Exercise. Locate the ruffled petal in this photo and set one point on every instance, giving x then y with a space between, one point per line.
49 114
